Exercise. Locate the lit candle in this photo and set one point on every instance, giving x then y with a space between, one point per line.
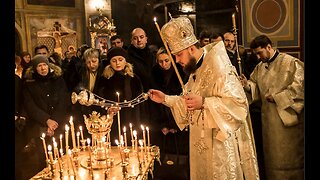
121 141
125 136
119 125
60 141
89 149
141 147
72 133
78 139
55 150
50 153
80 127
44 145
67 137
72 166
148 136
169 53
144 136
135 139
132 141
119 147
234 20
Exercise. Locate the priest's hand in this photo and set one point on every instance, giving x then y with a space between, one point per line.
156 96
193 101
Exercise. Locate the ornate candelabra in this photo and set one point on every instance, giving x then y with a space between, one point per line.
98 126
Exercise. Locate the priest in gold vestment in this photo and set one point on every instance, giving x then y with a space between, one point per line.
213 107
278 83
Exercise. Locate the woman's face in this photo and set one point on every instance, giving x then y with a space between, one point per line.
42 69
27 58
164 61
118 63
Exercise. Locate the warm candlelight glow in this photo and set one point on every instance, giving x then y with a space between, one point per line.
55 150
78 139
67 137
148 136
44 145
50 153
81 132
88 141
135 139
60 141
74 146
119 124
234 20
117 142
125 136
170 56
144 136
131 134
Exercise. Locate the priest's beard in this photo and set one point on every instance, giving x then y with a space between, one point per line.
191 66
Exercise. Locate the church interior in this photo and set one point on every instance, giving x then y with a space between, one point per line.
64 24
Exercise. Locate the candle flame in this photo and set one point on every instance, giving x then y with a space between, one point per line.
55 144
67 127
124 129
134 133
60 136
49 147
78 133
80 127
117 142
43 135
147 128
142 127
130 125
141 142
88 141
155 19
118 93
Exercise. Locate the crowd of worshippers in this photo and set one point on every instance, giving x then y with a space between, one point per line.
44 82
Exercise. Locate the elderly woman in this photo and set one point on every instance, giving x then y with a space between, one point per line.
118 76
46 101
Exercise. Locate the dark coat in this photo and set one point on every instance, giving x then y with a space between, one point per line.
46 97
143 60
167 81
129 88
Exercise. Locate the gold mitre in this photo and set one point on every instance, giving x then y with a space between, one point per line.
178 33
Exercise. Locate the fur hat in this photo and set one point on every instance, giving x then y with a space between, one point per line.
39 59
116 51
178 33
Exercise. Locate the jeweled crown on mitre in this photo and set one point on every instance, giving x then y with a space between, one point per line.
178 33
